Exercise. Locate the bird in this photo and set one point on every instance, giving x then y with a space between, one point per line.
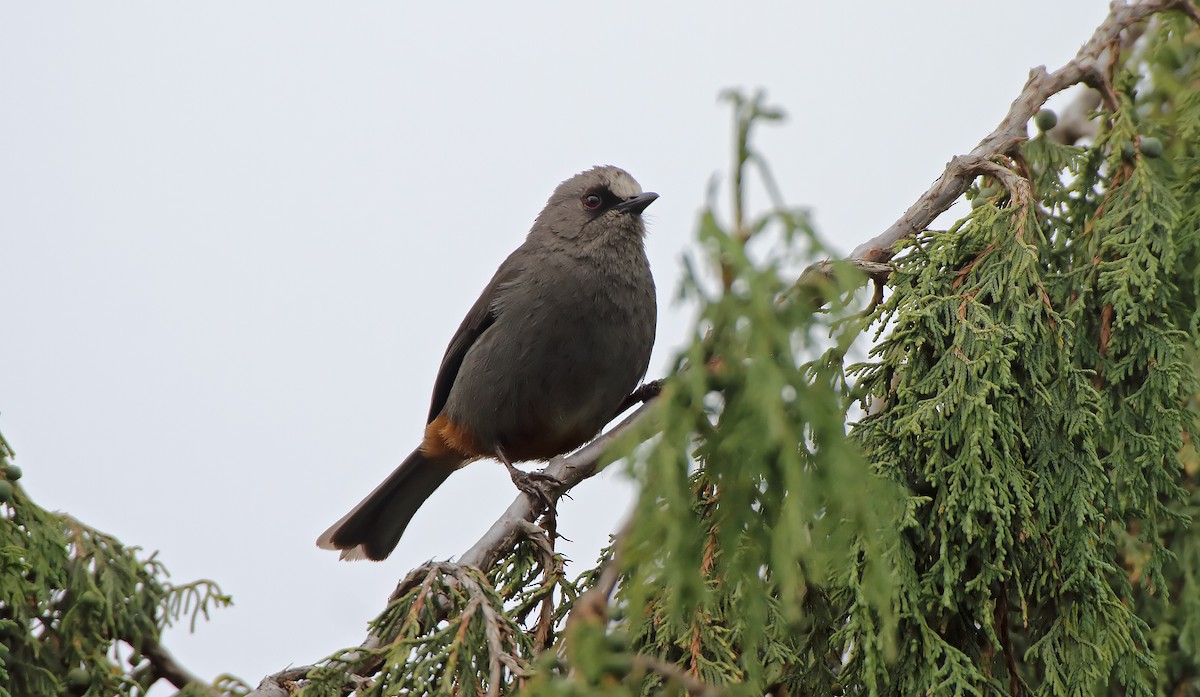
547 355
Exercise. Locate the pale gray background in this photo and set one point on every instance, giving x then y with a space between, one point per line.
235 238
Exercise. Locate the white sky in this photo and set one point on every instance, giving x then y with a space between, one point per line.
236 237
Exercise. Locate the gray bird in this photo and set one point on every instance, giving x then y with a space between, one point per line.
543 360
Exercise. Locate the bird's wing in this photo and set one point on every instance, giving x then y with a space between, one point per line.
481 316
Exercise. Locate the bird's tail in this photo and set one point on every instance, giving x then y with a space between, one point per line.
373 528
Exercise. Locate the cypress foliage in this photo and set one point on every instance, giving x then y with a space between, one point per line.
1023 522
79 611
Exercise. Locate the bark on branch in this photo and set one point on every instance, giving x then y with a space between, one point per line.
512 525
1089 66
168 668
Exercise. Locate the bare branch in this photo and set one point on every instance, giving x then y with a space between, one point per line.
1089 66
166 667
1075 123
569 470
281 684
644 393
514 524
670 671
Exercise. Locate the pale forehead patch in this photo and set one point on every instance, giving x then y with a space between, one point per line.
615 179
620 182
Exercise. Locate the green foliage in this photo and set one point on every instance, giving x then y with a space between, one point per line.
993 428
1037 364
754 502
452 628
77 607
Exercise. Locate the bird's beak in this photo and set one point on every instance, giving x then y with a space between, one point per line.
636 204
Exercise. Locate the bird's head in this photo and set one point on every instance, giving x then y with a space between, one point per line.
594 204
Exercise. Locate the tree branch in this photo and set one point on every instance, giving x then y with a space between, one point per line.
500 537
672 672
166 667
569 471
1090 66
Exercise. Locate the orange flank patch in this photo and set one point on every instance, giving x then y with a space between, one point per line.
444 437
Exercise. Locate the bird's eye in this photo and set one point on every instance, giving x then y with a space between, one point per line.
592 202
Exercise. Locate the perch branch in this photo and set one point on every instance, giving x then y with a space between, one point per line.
511 526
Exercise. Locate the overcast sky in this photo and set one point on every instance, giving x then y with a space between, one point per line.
236 237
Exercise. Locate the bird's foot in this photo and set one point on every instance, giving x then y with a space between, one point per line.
539 486
644 393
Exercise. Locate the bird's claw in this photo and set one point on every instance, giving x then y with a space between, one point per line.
539 486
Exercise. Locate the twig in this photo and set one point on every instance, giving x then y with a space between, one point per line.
505 532
551 565
1075 123
281 684
1088 66
592 605
607 583
569 470
498 657
644 393
166 667
670 671
1010 658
